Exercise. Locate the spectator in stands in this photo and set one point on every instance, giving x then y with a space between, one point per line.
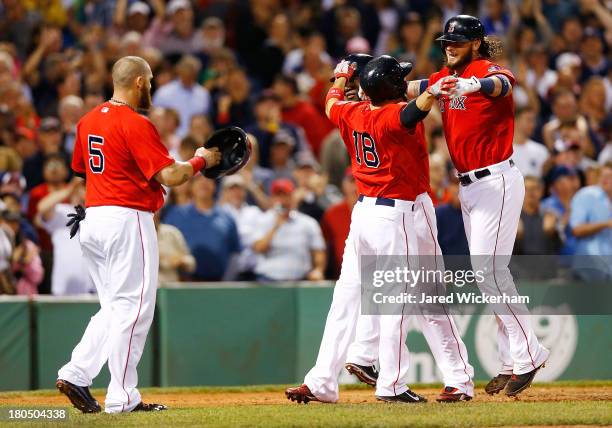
69 271
301 113
313 195
267 123
533 237
591 223
529 156
496 20
438 180
451 234
166 121
231 103
55 172
564 183
26 266
175 34
12 203
256 177
233 200
200 129
568 149
336 223
184 94
7 238
50 145
70 112
289 244
565 110
175 259
211 233
594 62
281 154
593 108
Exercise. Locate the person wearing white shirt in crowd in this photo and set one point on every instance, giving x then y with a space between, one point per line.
233 200
69 271
529 156
184 94
289 244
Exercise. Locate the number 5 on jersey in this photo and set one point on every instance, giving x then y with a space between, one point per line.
368 149
96 157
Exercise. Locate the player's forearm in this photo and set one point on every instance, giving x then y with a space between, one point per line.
176 174
335 94
416 110
588 229
416 88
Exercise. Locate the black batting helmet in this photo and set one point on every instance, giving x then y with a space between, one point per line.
382 79
462 28
235 149
360 59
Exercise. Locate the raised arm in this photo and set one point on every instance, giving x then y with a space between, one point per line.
416 110
343 72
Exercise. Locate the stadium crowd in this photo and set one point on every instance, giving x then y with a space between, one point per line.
264 65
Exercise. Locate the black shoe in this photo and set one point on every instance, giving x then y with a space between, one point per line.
519 383
366 374
143 407
79 396
407 397
497 384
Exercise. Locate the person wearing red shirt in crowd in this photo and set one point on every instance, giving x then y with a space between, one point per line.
478 122
384 139
125 164
302 113
336 222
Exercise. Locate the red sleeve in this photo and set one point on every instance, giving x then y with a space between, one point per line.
78 162
335 112
491 69
145 145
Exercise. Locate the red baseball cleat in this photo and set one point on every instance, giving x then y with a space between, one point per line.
300 394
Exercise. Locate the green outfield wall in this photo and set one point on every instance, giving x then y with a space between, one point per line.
244 334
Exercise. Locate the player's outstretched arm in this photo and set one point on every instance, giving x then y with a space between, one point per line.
497 85
179 172
416 110
416 88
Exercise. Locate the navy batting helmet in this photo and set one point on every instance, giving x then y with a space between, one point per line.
462 28
382 79
235 149
360 59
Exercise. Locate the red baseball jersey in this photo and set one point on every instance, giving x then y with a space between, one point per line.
479 129
120 151
387 159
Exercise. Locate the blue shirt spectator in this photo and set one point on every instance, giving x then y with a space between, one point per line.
210 232
591 222
184 94
451 233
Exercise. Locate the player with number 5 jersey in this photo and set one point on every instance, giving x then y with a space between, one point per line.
120 154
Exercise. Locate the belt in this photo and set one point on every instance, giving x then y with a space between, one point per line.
466 180
383 201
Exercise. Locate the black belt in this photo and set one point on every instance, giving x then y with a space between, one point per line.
465 179
380 201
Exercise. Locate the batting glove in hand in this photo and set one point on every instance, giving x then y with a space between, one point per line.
444 86
345 69
466 86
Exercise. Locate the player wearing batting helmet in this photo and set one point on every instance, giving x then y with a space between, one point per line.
436 322
125 164
386 143
478 121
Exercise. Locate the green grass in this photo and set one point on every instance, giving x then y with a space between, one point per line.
498 413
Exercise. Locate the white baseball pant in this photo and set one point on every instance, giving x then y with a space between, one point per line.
375 230
121 254
439 330
491 210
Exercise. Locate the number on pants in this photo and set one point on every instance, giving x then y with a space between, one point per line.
368 148
96 157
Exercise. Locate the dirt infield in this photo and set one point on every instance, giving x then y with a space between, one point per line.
189 399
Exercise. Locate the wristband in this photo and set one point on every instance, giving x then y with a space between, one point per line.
334 93
487 85
198 163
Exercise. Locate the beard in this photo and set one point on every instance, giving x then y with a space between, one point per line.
144 99
461 62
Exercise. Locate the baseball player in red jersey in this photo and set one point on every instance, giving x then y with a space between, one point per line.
124 162
478 121
435 321
382 137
